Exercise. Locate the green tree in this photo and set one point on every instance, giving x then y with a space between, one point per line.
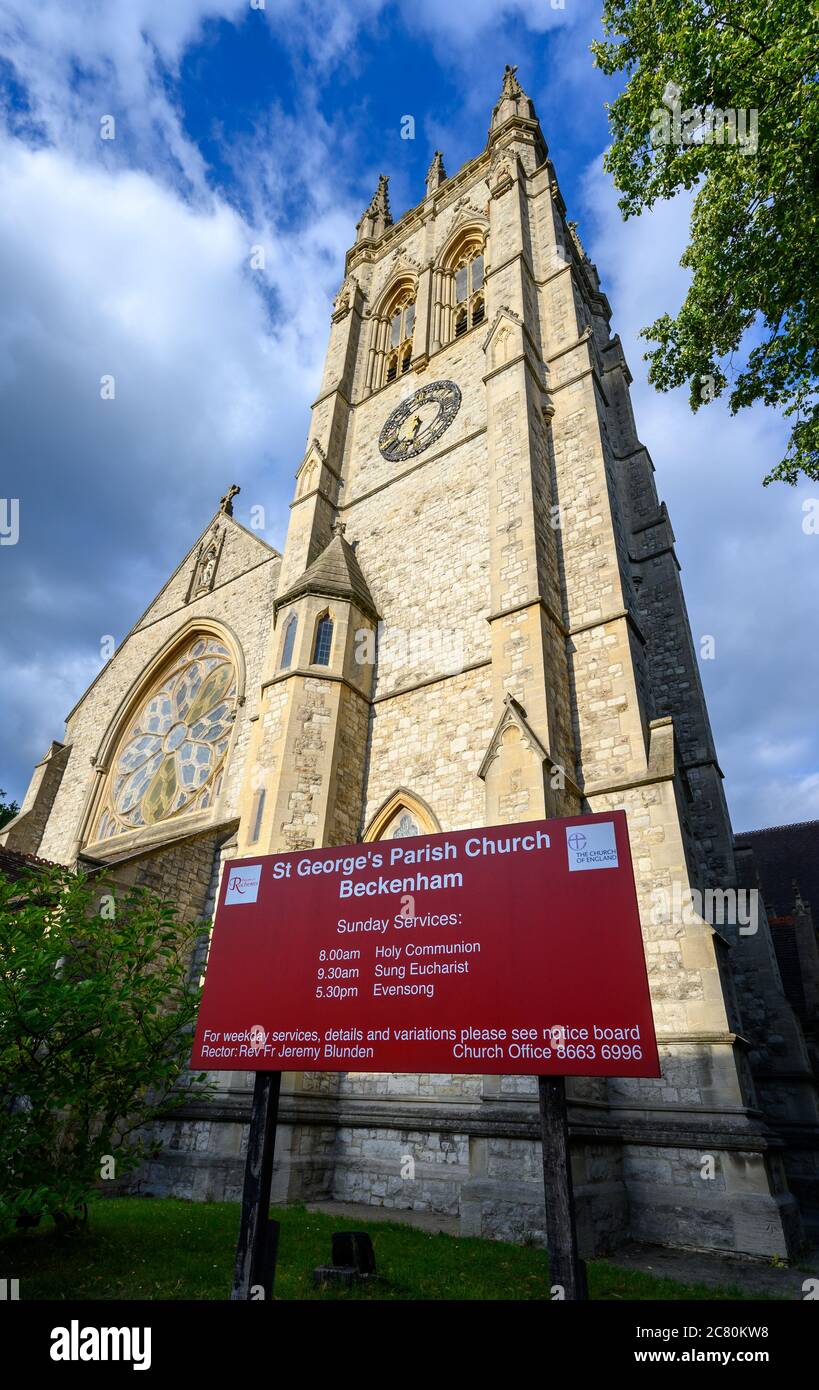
731 69
8 809
96 1008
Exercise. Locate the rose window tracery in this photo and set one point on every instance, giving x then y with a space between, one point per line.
170 759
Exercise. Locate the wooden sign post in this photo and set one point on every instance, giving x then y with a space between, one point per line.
258 1235
566 1269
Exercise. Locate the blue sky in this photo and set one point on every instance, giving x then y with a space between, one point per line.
238 127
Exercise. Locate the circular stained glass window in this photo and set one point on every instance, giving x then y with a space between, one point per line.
171 756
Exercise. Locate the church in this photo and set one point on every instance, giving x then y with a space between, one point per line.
477 620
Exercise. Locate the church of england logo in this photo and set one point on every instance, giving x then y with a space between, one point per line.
243 884
591 846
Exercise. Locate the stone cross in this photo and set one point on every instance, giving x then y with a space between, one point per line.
226 502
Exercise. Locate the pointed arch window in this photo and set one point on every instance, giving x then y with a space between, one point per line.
289 642
324 641
470 305
402 815
171 754
466 296
401 327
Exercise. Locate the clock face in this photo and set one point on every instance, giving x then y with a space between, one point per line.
419 421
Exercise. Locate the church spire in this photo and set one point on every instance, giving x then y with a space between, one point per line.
512 101
436 174
377 216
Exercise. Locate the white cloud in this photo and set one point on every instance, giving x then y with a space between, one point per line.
114 273
111 273
466 25
125 262
91 58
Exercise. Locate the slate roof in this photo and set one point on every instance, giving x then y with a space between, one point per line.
335 573
784 853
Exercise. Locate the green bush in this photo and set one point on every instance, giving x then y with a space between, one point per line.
96 1009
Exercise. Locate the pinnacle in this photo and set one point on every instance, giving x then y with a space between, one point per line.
377 216
380 202
436 174
512 101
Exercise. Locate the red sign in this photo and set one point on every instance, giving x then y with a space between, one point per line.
512 948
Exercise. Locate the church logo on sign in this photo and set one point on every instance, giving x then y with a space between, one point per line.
243 884
591 846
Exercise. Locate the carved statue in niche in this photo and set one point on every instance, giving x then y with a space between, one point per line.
205 571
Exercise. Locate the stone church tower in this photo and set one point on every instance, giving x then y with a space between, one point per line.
477 619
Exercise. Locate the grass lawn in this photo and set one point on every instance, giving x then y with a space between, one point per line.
167 1249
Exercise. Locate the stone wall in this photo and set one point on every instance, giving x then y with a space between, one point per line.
25 832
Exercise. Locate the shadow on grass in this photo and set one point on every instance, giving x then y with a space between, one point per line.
140 1248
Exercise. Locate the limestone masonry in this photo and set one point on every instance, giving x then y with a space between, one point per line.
477 619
